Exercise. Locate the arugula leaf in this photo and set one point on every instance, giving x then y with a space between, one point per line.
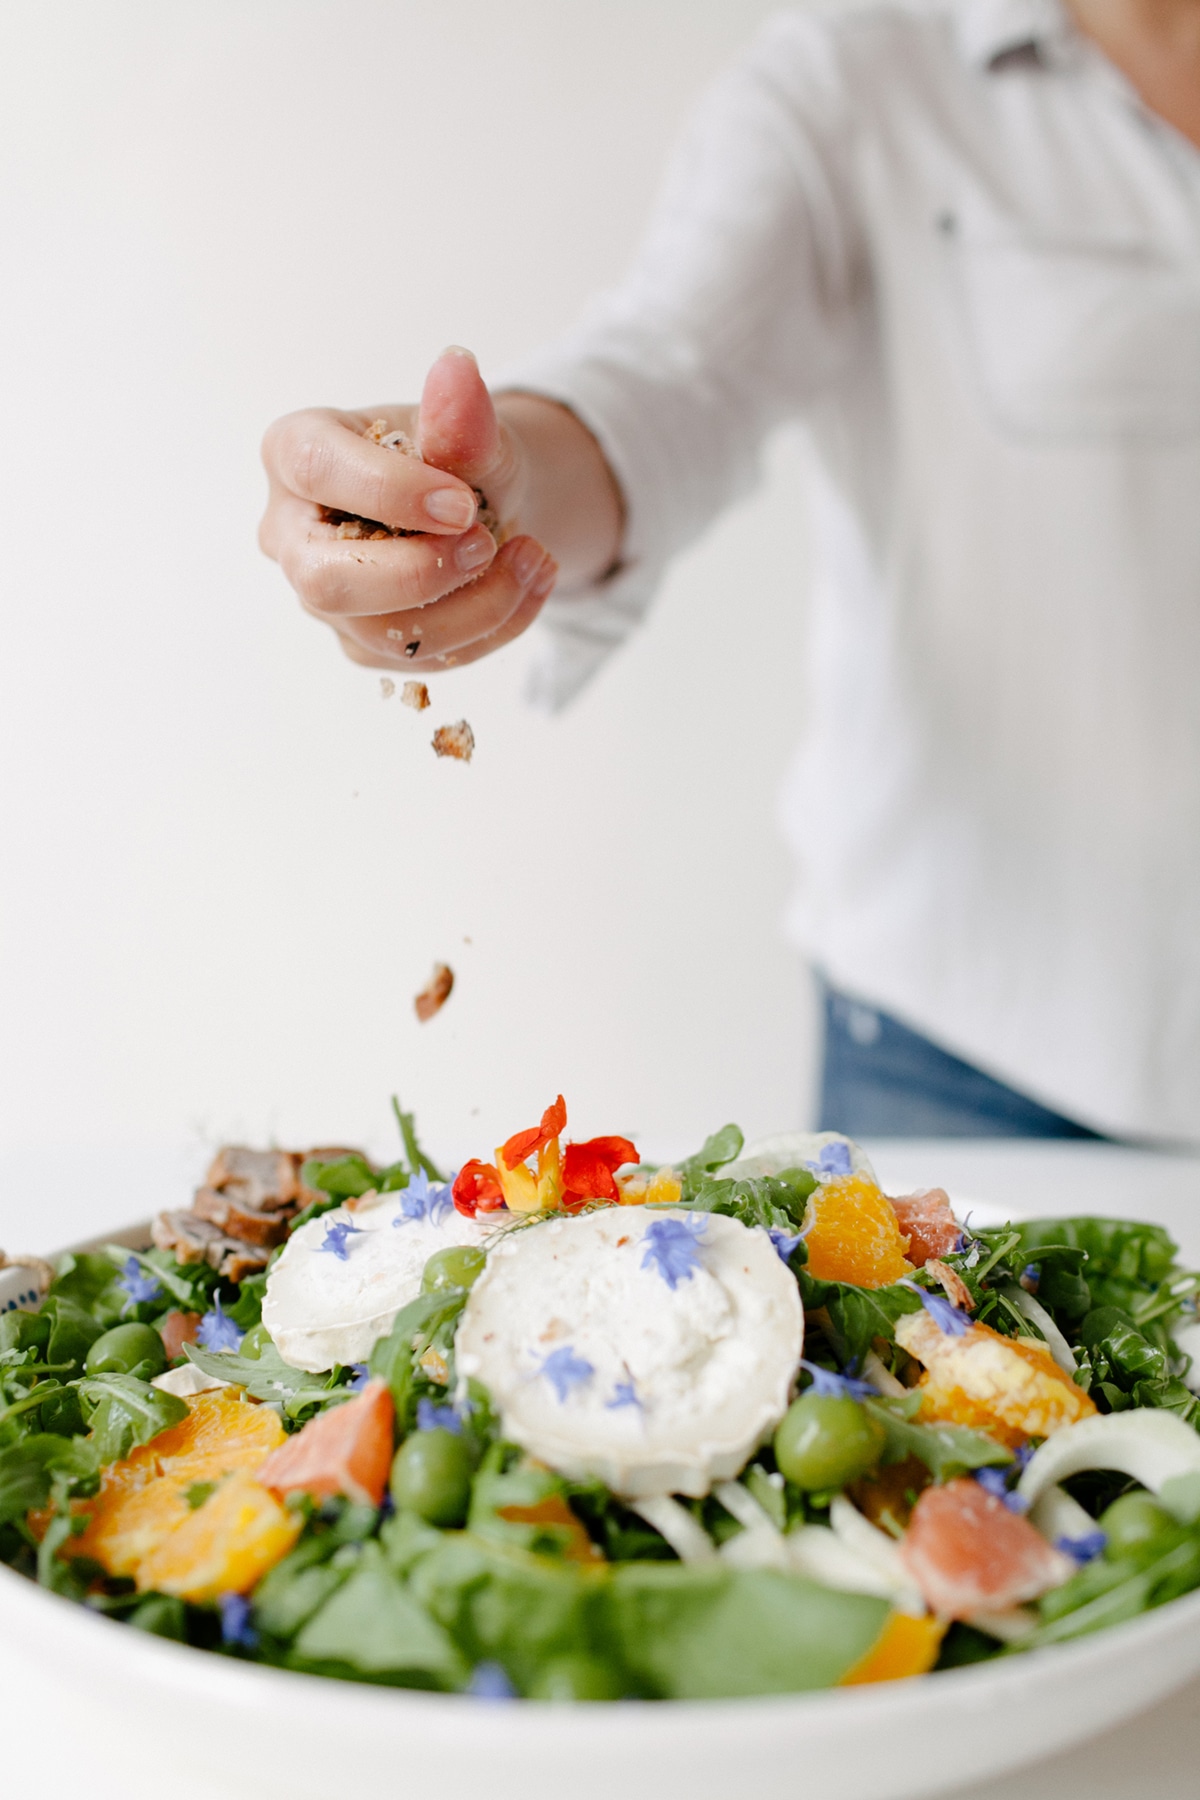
28 1466
83 1276
946 1450
856 1316
268 1377
24 1331
345 1178
719 1148
1108 1593
394 1358
373 1629
123 1411
758 1200
417 1159
246 1310
72 1332
698 1631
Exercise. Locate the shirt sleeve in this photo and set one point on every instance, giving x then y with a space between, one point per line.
738 310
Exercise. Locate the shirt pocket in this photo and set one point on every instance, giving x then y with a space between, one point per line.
1083 337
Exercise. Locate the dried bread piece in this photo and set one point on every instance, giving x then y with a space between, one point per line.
434 995
415 694
455 740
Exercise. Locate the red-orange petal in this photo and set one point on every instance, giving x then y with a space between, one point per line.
525 1143
588 1168
477 1185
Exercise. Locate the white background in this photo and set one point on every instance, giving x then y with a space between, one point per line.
227 863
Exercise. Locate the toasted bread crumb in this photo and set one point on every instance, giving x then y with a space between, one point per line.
415 694
455 740
387 686
434 995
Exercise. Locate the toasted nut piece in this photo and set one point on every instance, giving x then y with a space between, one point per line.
455 740
953 1285
434 995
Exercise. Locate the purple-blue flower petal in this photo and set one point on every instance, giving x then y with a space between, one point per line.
139 1285
672 1247
832 1159
995 1481
335 1238
217 1331
785 1242
432 1417
624 1394
566 1371
237 1633
828 1385
1084 1549
489 1682
950 1319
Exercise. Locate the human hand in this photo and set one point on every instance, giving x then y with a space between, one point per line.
443 595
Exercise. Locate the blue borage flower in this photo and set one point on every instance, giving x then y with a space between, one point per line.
828 1385
1084 1549
950 1319
237 1633
995 1481
432 1417
624 1394
335 1238
785 1242
138 1285
672 1247
362 1374
565 1371
217 1331
421 1201
833 1159
1031 1276
489 1682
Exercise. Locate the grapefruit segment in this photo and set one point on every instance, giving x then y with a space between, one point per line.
968 1553
347 1450
929 1224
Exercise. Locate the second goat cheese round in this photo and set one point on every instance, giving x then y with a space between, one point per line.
344 1276
653 1349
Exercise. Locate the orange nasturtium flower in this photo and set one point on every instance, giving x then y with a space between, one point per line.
477 1188
588 1169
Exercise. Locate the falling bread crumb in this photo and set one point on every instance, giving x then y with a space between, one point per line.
387 686
434 995
415 694
455 740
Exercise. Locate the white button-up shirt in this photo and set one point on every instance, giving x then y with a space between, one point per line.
952 242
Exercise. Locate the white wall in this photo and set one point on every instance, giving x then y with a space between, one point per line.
227 864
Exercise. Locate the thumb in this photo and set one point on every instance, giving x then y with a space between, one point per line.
457 428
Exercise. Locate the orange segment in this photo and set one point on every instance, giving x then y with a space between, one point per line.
347 1450
905 1646
852 1235
143 1499
225 1546
1011 1390
553 1510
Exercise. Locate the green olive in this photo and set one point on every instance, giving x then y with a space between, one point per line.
431 1475
459 1266
825 1441
1132 1521
579 1677
127 1350
256 1340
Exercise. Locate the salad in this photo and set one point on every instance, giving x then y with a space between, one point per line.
564 1425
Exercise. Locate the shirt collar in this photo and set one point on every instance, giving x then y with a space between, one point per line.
989 29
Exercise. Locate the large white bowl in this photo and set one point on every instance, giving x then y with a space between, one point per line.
115 1711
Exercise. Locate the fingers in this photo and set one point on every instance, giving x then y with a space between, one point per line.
347 576
457 427
322 456
466 624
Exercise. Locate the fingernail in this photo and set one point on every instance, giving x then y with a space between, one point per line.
544 580
451 506
475 550
458 350
527 561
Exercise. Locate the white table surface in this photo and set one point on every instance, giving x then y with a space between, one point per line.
53 1196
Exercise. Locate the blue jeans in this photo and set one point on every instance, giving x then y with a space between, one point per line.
880 1079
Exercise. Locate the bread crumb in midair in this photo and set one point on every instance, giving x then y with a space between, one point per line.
415 694
387 686
455 740
434 995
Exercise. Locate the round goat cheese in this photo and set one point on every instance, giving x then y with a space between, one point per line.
826 1153
653 1349
344 1276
